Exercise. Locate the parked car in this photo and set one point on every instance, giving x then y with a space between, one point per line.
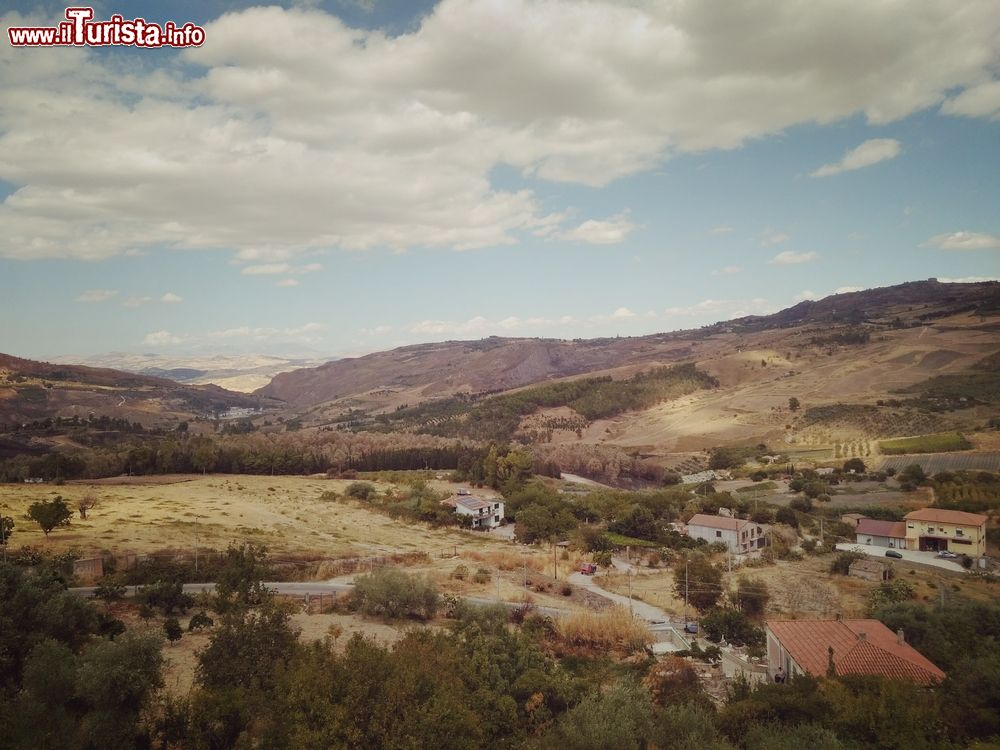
946 554
588 569
894 553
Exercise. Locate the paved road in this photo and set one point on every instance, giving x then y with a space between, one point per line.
924 558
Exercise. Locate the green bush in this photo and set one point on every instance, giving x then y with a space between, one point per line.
389 592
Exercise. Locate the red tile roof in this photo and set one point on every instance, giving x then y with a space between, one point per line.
864 647
872 527
717 522
940 515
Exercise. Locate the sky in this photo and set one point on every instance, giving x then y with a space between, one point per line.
348 176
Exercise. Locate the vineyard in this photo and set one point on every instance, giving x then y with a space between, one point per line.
933 463
942 442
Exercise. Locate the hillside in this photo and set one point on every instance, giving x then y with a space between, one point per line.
903 360
31 390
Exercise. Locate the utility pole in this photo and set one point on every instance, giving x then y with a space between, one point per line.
685 592
555 565
498 583
630 590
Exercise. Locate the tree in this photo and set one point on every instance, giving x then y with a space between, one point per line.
621 717
49 514
239 581
6 529
751 596
172 629
793 404
85 503
203 454
855 464
700 579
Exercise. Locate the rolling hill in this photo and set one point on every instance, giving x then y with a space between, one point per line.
857 362
31 390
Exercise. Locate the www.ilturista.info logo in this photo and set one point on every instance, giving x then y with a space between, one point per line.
80 30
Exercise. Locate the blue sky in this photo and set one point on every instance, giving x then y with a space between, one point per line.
343 177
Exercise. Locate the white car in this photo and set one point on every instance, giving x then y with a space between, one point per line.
946 554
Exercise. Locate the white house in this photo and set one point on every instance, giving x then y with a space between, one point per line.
485 513
739 535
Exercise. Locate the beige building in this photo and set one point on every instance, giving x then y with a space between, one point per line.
937 529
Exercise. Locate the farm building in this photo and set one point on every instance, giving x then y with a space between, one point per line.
861 647
870 570
484 513
851 519
709 475
739 535
881 533
936 529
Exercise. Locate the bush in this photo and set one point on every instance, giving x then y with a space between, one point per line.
361 490
841 564
460 573
172 629
482 576
389 592
199 621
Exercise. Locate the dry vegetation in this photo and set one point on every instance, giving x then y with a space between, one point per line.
284 513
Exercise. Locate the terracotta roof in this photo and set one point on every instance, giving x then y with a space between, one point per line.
940 515
895 529
716 522
859 647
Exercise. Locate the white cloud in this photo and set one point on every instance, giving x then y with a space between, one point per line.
171 299
267 269
721 229
474 325
967 279
868 153
622 313
161 338
848 289
291 133
772 237
287 283
728 270
711 310
965 241
610 231
976 101
790 257
309 333
136 301
97 295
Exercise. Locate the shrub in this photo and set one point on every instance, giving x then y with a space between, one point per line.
199 621
392 593
361 490
460 573
482 576
841 564
172 629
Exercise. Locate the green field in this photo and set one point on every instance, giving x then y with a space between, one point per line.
942 442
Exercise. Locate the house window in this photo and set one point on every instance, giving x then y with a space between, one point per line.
959 532
718 534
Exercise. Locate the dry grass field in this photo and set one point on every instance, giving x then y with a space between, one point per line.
181 512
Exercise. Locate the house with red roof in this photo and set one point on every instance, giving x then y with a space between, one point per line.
739 535
858 647
937 529
881 533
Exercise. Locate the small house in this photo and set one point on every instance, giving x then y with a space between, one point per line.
739 535
890 534
482 513
860 647
870 570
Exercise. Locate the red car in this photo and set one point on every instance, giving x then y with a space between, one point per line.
588 569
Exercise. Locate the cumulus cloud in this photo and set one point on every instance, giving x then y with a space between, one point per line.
291 132
711 310
868 153
790 257
965 241
771 237
161 338
171 299
622 313
848 289
977 101
287 283
97 295
609 231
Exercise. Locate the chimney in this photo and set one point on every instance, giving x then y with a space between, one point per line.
862 636
899 637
